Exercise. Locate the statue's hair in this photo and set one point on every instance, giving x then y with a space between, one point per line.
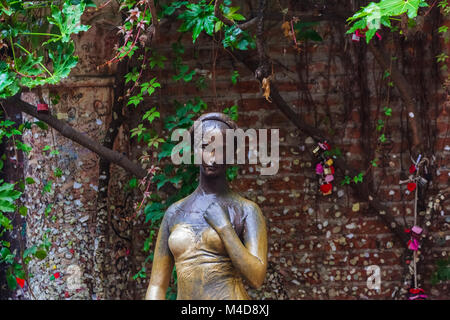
215 116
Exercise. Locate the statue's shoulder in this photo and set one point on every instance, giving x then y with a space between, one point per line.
249 207
177 207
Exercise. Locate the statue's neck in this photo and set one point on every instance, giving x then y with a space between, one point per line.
217 185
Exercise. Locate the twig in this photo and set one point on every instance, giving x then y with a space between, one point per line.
406 94
219 15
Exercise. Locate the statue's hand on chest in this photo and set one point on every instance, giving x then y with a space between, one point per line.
217 216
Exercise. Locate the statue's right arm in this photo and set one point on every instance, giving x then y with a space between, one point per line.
162 264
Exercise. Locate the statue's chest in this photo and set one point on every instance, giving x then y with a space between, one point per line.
190 233
190 240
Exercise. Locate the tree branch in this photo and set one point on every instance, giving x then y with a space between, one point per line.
361 190
155 23
80 138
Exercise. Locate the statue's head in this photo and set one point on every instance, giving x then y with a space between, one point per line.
213 125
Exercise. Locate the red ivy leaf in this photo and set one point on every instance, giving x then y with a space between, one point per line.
20 282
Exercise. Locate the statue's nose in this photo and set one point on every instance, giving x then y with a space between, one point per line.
209 157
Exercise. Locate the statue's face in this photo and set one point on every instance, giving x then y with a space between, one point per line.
211 147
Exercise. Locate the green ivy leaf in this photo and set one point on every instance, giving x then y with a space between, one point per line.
40 254
48 187
153 211
135 100
345 181
48 209
358 178
58 172
30 251
68 20
7 198
23 146
374 163
11 280
41 125
304 31
199 17
63 60
29 180
23 211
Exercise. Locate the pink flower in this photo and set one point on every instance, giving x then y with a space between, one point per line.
121 30
134 15
128 34
152 170
141 25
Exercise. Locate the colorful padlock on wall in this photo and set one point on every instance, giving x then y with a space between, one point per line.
324 168
42 108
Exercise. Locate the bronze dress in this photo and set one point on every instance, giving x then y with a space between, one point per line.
204 269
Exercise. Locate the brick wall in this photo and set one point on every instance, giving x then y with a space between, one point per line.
320 247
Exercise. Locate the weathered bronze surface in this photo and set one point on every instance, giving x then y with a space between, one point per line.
214 236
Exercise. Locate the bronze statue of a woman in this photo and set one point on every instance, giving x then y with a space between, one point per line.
215 237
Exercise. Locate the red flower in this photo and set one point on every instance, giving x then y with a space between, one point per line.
56 275
411 186
412 169
332 169
66 294
72 251
407 230
20 282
